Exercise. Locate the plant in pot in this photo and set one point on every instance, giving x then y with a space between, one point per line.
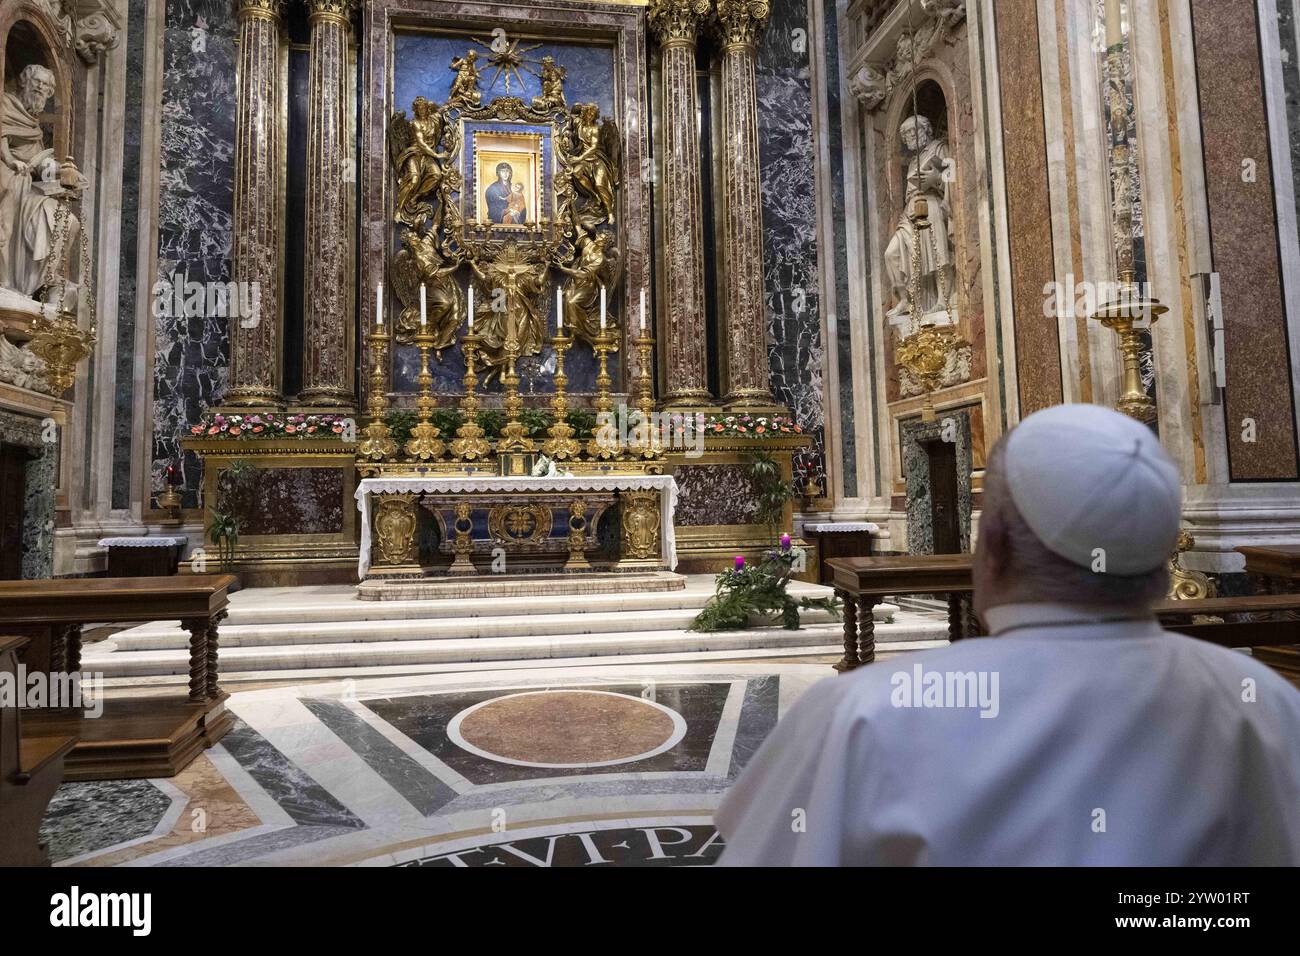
750 595
236 486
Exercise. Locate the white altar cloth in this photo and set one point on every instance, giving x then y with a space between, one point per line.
666 485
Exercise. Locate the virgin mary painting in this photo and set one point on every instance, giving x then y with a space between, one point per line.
506 203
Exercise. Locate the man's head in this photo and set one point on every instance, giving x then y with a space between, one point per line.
1081 506
35 87
505 173
916 133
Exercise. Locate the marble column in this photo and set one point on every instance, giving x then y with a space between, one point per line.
255 341
676 25
328 341
738 24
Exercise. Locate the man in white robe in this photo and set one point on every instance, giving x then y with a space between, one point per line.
1087 736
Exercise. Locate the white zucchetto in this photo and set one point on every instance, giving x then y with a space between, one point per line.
1087 478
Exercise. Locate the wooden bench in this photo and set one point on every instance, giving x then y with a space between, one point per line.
31 769
862 583
137 736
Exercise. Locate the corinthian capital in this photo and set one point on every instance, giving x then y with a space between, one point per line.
266 9
677 21
331 9
739 22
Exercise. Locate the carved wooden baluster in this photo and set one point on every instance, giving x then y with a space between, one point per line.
850 658
198 628
954 617
211 670
867 629
58 650
72 645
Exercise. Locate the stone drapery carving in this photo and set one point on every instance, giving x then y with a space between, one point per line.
328 339
38 233
738 24
88 26
19 366
676 24
928 172
872 85
255 340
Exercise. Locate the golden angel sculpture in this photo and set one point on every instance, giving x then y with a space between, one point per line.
418 263
552 86
464 88
413 148
593 267
595 163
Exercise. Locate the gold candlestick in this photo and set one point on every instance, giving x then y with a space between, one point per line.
1126 315
646 441
378 442
561 444
469 443
514 437
424 443
604 444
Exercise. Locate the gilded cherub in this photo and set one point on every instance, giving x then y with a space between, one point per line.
552 86
464 89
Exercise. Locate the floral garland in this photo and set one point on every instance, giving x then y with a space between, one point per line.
751 426
269 425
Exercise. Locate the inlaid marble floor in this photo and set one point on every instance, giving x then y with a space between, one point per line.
609 765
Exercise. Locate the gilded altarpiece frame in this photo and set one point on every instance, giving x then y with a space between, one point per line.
619 25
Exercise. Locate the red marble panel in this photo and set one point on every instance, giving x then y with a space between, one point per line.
1244 240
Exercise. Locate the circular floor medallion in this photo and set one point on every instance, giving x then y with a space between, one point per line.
566 729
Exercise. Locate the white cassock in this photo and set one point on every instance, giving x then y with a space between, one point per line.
1112 744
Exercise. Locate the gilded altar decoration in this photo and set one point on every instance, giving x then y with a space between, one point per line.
640 524
1184 584
494 206
395 529
520 524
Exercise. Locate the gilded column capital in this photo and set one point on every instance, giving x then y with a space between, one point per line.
739 23
677 22
337 10
264 9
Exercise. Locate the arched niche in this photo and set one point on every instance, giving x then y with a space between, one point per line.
29 35
934 96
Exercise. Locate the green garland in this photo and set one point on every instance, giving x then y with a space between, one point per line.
759 590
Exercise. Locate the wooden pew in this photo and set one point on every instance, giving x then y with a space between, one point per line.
31 769
862 583
155 736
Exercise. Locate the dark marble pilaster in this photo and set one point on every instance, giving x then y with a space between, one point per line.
328 345
676 24
739 24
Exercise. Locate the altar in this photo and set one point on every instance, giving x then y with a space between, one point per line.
486 524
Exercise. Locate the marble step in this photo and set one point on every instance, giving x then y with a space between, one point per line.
258 658
337 604
171 637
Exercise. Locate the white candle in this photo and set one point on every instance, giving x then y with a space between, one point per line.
379 304
602 308
643 310
424 319
1114 33
471 306
559 309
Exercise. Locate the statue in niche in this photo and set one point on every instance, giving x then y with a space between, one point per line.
419 263
552 97
596 161
413 146
35 233
464 88
593 267
929 173
508 319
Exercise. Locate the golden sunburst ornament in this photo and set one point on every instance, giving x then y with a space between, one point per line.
510 60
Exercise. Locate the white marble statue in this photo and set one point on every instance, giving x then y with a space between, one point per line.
29 184
929 174
19 366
